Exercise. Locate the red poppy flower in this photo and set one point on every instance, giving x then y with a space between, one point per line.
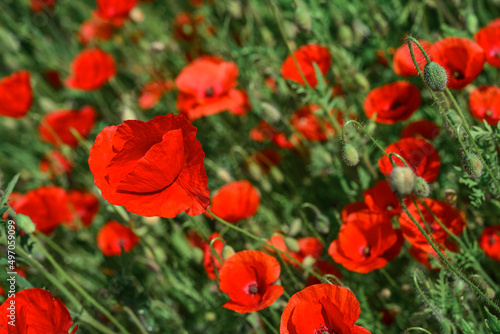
152 92
91 69
308 246
366 241
442 210
311 126
306 55
271 84
46 206
484 103
207 86
489 241
115 9
235 201
84 206
41 5
494 23
489 39
278 241
56 126
265 159
380 198
322 308
95 29
323 268
421 156
53 78
210 261
16 95
462 59
186 26
248 278
394 102
352 208
36 311
113 236
421 129
263 131
55 163
403 63
152 168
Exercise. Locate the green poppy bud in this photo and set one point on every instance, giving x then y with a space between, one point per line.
227 251
303 18
25 223
402 181
473 165
435 76
350 155
292 244
421 187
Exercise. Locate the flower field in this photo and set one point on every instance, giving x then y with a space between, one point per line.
249 166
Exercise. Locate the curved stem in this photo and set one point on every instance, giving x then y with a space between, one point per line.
416 329
366 132
135 320
78 288
409 38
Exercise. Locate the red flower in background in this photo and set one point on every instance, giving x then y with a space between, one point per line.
403 63
306 55
311 126
248 278
36 311
153 168
352 208
323 268
484 103
186 26
235 201
16 94
91 69
55 163
96 29
393 102
115 9
41 5
421 156
207 86
113 236
263 131
366 241
84 205
380 198
489 241
322 308
442 210
489 40
53 78
494 23
56 126
47 206
462 59
265 159
421 129
308 246
210 261
152 92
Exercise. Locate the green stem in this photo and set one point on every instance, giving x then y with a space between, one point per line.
416 329
448 263
135 320
438 314
366 132
77 287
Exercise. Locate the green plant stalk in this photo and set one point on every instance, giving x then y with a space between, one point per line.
416 329
438 314
250 235
78 288
366 132
448 263
135 320
459 110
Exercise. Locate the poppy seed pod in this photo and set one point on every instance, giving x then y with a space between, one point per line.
350 155
435 76
473 165
402 181
421 187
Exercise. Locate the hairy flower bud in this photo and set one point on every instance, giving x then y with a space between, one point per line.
292 244
435 76
227 251
402 181
25 223
421 187
350 155
473 165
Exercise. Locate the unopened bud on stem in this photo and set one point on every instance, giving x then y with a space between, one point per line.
402 181
435 76
473 165
350 155
421 187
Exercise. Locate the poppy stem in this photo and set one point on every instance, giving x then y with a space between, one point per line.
409 38
250 235
365 131
135 319
448 263
437 313
416 329
77 287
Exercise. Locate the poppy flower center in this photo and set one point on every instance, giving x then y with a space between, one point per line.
492 240
209 92
396 104
324 330
488 113
366 251
252 288
389 208
458 75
